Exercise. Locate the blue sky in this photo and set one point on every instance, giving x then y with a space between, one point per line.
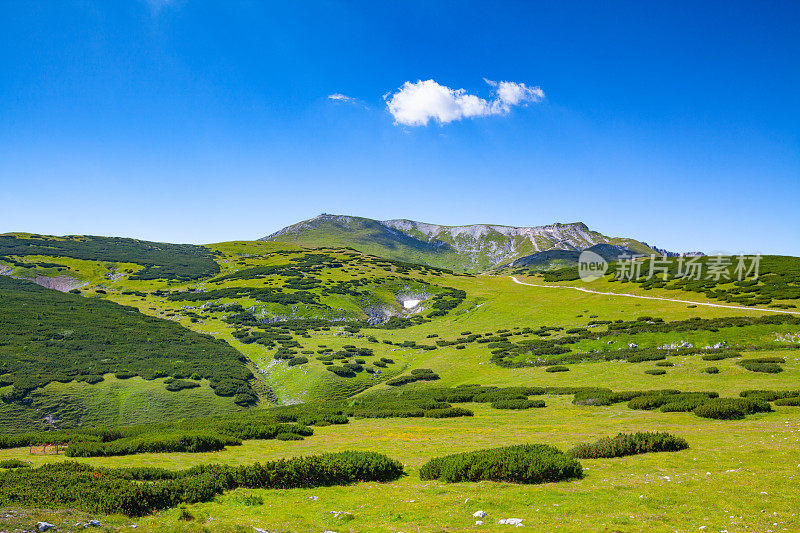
195 121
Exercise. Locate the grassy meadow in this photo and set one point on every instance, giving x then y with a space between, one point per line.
737 475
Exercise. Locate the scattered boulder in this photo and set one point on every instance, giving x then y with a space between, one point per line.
511 521
44 526
479 514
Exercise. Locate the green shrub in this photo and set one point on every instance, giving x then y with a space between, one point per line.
655 372
448 412
294 361
13 463
556 368
683 403
794 401
711 370
341 371
768 395
767 365
719 356
418 374
665 363
136 492
629 444
183 442
656 399
516 403
288 436
180 384
529 463
646 356
730 408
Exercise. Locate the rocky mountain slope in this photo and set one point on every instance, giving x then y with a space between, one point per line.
551 258
468 248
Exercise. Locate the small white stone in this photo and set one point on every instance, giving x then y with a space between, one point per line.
479 514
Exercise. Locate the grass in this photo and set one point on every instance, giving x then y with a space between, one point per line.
723 474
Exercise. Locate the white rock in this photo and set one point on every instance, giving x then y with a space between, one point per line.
94 523
313 498
479 514
478 522
44 526
511 521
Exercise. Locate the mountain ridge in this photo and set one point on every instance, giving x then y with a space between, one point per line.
473 247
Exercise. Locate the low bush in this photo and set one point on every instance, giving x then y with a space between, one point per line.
516 403
529 463
646 356
136 492
180 384
13 463
418 374
556 368
730 408
665 363
402 380
301 360
767 365
719 356
288 436
655 372
711 370
794 401
656 399
683 403
768 395
629 444
183 442
448 412
341 371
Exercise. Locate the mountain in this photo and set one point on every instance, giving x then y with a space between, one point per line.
609 252
470 248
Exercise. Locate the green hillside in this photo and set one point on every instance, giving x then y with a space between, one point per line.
155 260
350 351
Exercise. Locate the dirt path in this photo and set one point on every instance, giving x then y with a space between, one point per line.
655 298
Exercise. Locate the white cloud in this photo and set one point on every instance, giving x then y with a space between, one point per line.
343 98
416 104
